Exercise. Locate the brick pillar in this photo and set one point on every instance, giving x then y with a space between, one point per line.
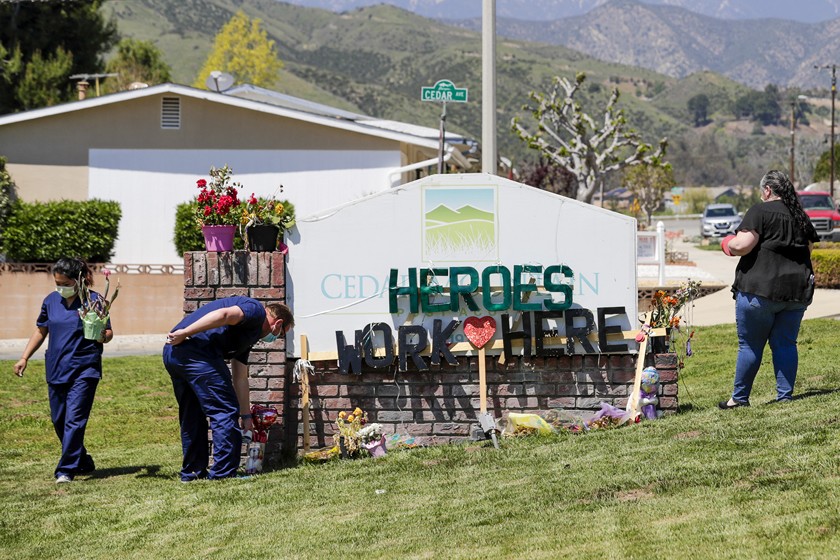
209 276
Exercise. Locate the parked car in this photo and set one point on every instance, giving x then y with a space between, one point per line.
719 220
822 210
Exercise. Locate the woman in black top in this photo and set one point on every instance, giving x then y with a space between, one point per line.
774 283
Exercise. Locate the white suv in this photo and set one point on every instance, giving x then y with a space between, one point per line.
719 220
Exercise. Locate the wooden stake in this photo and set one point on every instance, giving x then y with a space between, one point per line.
482 380
304 384
633 401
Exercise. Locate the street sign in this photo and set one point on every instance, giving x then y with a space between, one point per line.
676 199
444 91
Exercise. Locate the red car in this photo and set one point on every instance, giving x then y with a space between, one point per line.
822 210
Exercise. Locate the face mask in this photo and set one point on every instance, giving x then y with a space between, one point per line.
66 291
270 337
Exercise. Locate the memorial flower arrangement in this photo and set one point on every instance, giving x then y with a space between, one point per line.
218 199
666 309
100 306
347 436
370 433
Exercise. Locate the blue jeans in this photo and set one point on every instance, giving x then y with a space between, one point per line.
759 321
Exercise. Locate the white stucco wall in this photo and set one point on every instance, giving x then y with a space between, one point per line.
149 184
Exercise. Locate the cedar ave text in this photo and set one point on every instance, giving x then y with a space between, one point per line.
536 304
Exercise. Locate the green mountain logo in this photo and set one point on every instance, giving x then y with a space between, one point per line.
445 215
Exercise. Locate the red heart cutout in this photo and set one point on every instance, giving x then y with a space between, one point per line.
479 330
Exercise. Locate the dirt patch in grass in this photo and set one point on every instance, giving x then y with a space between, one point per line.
688 435
634 495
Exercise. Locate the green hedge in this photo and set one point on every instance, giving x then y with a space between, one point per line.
826 267
188 236
46 231
8 196
187 232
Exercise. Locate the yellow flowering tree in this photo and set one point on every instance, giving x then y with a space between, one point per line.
242 48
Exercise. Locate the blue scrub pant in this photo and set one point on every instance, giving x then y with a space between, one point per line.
759 321
70 405
204 390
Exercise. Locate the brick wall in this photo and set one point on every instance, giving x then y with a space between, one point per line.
435 406
440 405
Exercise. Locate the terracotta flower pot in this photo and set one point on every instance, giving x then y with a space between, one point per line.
218 238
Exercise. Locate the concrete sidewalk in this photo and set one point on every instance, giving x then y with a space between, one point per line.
125 345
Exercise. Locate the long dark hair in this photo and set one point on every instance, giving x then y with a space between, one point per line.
780 185
74 269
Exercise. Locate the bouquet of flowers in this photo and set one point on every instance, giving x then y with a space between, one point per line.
666 312
371 433
218 199
94 312
665 309
347 436
373 440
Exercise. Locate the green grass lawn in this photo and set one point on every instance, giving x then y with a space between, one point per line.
760 482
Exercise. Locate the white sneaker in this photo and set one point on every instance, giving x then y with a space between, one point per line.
61 479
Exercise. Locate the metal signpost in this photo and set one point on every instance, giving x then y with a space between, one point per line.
443 91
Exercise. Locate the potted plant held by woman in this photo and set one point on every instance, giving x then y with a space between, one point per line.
265 220
215 212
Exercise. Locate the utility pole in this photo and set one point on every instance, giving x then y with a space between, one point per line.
792 140
793 104
488 87
833 68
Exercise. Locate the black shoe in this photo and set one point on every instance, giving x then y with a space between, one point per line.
724 405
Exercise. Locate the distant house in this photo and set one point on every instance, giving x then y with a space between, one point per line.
146 148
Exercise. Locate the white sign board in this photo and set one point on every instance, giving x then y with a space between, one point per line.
493 239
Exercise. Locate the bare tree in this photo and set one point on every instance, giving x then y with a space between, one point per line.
569 137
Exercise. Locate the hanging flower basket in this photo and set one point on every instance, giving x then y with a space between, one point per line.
218 238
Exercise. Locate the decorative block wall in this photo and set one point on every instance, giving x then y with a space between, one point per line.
435 406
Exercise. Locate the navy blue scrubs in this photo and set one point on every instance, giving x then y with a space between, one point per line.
204 387
74 368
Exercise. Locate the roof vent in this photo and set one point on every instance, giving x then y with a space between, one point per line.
170 113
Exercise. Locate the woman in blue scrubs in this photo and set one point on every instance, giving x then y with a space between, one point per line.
73 364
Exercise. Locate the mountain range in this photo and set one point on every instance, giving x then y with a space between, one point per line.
375 61
810 11
674 37
678 42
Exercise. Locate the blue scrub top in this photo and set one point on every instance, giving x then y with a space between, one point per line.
69 354
228 341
